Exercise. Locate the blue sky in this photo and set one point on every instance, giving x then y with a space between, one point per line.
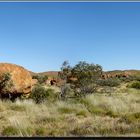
40 36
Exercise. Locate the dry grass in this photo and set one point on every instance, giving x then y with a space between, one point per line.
94 115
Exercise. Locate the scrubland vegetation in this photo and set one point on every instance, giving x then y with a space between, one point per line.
94 115
88 106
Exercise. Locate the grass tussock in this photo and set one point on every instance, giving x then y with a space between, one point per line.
92 115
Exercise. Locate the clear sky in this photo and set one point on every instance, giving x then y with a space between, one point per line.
40 36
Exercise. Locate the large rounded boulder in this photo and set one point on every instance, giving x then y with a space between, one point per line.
20 78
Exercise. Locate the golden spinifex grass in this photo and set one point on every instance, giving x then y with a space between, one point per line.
94 115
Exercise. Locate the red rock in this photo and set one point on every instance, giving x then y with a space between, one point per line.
21 78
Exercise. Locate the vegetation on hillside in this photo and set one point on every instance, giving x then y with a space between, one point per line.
84 105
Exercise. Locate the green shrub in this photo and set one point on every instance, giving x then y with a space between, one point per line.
135 84
39 94
41 78
84 76
52 95
6 83
111 82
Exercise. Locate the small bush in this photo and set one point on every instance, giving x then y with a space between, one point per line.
111 82
40 94
6 83
41 78
52 95
65 90
135 84
87 89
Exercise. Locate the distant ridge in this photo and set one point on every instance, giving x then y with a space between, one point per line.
48 73
55 73
130 72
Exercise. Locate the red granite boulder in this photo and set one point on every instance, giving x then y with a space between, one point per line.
21 79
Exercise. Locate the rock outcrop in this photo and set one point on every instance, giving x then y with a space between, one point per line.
122 74
22 81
